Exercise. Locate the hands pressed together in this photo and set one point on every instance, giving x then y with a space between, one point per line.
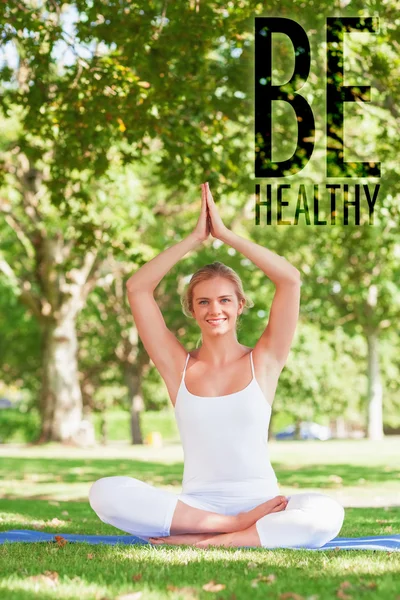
209 219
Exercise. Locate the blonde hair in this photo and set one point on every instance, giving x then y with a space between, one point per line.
215 269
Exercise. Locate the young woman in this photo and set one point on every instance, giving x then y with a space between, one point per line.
222 394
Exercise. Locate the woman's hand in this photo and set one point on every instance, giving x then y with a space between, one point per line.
202 229
217 228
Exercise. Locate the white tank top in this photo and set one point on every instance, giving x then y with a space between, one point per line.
225 442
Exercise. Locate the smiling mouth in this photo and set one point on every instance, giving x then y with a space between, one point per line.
215 321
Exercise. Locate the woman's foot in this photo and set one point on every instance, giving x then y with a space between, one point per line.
246 538
246 519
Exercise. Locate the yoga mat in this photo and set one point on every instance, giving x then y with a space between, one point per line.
378 542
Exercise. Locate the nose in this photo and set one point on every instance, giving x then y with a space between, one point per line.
215 310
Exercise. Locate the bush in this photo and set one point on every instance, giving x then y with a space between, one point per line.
18 426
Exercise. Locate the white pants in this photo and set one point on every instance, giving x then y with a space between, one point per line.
310 520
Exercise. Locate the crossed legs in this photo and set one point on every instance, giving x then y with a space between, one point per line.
144 510
309 520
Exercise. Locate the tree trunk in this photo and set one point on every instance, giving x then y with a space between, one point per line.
61 399
297 432
136 409
339 428
103 429
375 417
132 379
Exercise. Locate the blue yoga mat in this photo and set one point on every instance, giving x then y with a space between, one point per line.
378 542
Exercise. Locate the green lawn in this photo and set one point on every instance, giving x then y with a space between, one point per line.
46 488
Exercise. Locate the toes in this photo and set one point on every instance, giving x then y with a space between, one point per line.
281 500
279 507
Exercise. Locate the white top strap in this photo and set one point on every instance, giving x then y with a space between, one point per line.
251 361
184 370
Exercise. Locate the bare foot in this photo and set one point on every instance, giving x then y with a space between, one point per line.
182 539
246 519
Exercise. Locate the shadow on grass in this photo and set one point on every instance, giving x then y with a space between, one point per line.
56 470
328 475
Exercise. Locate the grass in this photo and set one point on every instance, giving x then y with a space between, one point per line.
46 488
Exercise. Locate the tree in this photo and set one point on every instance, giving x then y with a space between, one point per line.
68 124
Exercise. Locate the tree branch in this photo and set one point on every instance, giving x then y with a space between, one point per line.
27 297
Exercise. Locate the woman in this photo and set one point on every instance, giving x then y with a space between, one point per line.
230 495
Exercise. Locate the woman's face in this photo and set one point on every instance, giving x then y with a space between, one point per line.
216 306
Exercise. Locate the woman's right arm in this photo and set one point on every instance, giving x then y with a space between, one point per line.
163 348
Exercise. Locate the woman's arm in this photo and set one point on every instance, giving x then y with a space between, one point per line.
277 337
277 268
166 352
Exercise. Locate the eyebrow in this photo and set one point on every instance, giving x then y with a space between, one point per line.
225 296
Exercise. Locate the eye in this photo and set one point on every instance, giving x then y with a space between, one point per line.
227 299
201 301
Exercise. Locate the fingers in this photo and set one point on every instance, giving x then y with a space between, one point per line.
208 192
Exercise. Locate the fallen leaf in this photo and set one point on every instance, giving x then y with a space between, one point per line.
341 594
90 556
212 586
345 585
137 577
61 541
290 595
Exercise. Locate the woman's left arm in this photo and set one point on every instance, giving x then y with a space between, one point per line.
277 337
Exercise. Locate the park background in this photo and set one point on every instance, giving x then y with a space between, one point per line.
112 114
